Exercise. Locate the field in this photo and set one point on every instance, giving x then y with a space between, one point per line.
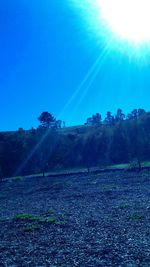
79 220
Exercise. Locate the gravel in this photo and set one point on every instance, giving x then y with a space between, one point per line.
81 220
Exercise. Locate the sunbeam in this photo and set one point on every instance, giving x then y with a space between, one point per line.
79 88
85 90
80 92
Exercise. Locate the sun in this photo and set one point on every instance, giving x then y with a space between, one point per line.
123 26
127 19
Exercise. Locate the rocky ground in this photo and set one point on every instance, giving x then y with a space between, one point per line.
88 221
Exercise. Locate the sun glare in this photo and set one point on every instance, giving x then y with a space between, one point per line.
127 19
123 25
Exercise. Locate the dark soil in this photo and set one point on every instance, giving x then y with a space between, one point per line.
88 221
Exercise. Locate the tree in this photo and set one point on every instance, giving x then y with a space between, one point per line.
136 113
95 120
109 120
12 149
88 121
136 137
119 145
42 151
141 112
90 152
119 116
46 119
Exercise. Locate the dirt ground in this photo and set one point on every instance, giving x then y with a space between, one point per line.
80 220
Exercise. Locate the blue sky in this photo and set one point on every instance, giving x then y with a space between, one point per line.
46 50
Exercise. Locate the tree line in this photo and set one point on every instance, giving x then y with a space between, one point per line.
113 119
116 139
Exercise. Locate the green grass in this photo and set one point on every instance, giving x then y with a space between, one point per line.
127 165
26 217
118 166
31 218
79 169
135 216
53 220
146 164
17 178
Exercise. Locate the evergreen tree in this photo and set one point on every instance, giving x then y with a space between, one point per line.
46 119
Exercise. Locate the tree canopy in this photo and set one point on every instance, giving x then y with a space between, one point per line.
46 119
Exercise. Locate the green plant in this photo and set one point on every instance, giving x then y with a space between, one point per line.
135 216
18 178
30 217
25 217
